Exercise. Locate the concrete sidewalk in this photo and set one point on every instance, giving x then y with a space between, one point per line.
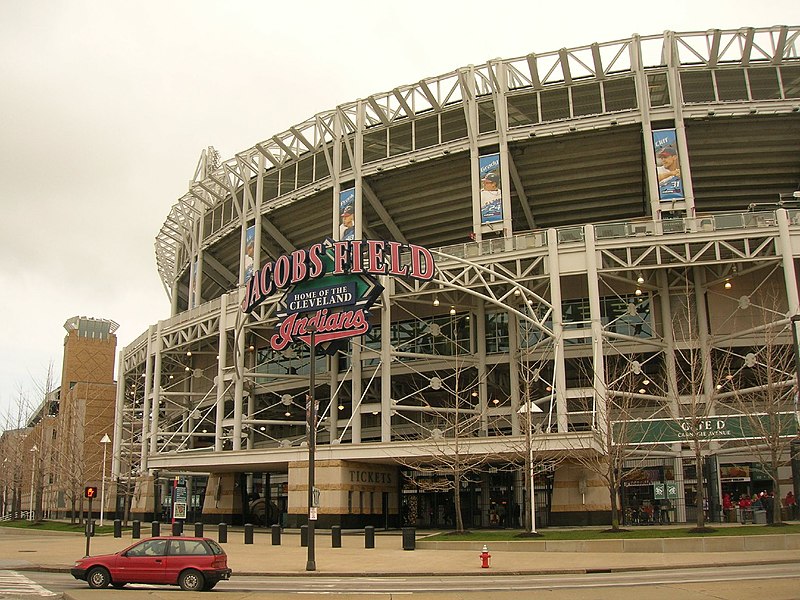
54 551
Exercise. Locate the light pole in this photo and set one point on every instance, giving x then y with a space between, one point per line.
33 476
529 407
5 488
105 441
311 564
794 445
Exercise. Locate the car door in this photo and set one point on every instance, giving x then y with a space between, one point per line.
143 563
185 553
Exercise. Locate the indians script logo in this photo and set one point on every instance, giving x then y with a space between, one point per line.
331 287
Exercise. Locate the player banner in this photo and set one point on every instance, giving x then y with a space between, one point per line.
347 214
668 167
491 188
250 246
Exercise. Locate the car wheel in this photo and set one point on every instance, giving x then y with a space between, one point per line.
98 578
209 586
191 581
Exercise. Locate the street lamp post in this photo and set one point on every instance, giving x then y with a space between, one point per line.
311 563
794 445
5 488
529 407
33 477
105 441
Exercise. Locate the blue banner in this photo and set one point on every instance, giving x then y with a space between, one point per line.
668 168
249 252
347 214
491 188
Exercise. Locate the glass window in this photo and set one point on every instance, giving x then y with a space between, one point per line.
790 75
187 548
555 104
659 90
215 548
497 332
426 132
149 548
620 94
698 86
400 138
586 99
486 117
374 145
731 85
523 109
454 125
764 83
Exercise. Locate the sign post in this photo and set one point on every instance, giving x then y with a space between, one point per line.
89 492
311 564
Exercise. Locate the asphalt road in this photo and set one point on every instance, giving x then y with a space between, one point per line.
777 582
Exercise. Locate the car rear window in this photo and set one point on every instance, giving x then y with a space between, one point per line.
187 548
215 548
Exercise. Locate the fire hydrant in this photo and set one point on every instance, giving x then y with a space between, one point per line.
485 556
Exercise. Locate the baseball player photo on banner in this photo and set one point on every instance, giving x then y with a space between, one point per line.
491 188
347 214
249 251
668 168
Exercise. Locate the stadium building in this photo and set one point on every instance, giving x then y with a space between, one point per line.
531 263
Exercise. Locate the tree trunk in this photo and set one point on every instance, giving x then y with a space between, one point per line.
457 502
612 494
701 491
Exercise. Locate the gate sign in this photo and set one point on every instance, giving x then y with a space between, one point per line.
719 427
659 491
662 491
672 490
331 286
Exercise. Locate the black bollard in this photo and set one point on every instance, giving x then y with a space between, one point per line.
409 538
276 535
222 535
369 536
198 529
248 533
336 536
155 528
177 528
117 528
136 530
304 536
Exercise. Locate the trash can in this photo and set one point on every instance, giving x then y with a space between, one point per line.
760 517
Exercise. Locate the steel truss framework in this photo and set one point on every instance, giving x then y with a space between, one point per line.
200 389
211 390
335 139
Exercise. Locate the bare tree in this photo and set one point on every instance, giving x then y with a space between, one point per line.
692 394
760 389
620 424
450 417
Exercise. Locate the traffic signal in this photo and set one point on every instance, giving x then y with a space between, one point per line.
90 492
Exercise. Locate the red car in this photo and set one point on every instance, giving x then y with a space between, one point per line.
193 563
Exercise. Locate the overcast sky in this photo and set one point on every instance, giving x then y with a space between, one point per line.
106 105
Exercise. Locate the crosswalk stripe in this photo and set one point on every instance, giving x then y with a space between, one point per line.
12 582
